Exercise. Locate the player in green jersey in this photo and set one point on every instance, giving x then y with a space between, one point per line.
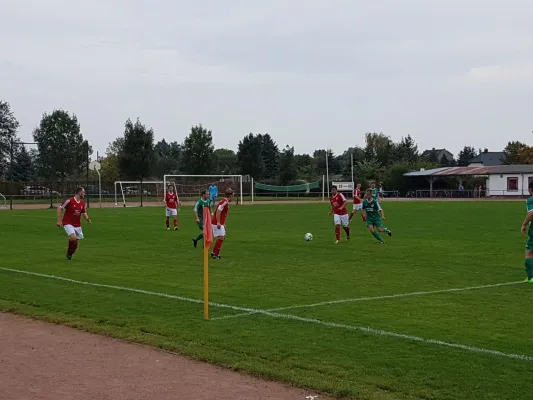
527 227
373 218
199 215
377 198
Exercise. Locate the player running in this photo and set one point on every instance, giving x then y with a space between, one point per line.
340 213
373 217
172 202
376 196
213 194
357 202
528 228
219 222
74 208
199 216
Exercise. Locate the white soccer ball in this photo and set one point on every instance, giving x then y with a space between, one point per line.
308 237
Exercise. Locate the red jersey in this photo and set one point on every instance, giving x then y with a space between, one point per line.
357 196
223 206
73 211
171 199
337 202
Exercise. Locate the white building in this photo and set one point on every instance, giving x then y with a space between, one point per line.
509 180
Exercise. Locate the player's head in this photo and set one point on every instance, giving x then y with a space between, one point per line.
530 188
170 188
359 186
204 194
80 192
372 185
368 194
334 190
229 193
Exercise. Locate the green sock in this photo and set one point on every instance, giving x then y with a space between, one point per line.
529 268
200 236
380 239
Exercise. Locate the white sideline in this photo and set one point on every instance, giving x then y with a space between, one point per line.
391 296
363 329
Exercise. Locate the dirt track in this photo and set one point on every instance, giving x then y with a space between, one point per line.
52 362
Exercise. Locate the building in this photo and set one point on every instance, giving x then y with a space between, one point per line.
440 153
488 159
500 180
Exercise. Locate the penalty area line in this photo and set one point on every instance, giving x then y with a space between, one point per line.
360 299
367 330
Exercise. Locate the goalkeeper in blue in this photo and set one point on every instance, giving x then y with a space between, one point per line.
213 194
527 228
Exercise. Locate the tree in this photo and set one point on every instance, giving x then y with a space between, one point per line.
346 160
378 148
226 162
8 134
110 168
198 152
406 151
116 146
249 156
526 155
446 162
370 171
512 152
319 157
270 155
466 155
167 157
305 167
23 169
137 155
62 151
432 156
287 166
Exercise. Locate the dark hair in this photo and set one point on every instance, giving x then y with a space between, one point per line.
530 185
334 187
78 189
228 192
368 190
203 192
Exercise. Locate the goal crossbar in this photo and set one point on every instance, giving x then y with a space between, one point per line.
239 177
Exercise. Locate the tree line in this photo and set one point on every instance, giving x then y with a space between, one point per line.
62 153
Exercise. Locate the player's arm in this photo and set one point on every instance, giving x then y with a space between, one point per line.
527 221
59 216
195 212
219 213
85 215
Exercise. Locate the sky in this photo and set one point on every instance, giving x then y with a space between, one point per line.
314 74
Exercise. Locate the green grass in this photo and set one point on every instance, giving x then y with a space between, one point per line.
267 264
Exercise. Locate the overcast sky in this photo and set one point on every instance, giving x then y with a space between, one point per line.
313 74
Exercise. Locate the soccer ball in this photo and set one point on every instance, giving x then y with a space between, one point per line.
308 237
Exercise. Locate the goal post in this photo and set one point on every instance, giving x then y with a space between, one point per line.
3 202
129 193
189 187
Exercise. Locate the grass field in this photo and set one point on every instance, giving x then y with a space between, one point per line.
470 343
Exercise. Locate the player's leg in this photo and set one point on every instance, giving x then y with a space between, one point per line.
529 260
175 215
167 220
382 228
72 240
220 234
200 236
337 222
345 222
374 232
353 211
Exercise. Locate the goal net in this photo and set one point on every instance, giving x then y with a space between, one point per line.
189 187
129 193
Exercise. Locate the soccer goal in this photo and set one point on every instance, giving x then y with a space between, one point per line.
129 193
3 202
189 187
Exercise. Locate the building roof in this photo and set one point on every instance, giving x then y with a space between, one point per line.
472 171
489 158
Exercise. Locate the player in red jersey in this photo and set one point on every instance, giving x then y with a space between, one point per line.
74 208
340 213
357 202
172 202
219 222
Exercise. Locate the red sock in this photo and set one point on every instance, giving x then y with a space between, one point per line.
347 230
167 222
338 232
72 246
363 217
175 223
218 246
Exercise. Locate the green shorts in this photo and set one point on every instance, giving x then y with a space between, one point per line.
529 243
376 223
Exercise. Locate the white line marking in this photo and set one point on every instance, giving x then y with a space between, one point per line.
392 296
363 329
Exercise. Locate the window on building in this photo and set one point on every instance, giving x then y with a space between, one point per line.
512 184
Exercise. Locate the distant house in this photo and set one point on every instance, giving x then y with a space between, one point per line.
488 159
440 153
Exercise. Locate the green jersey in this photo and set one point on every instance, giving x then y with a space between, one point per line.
529 204
375 193
372 209
199 208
